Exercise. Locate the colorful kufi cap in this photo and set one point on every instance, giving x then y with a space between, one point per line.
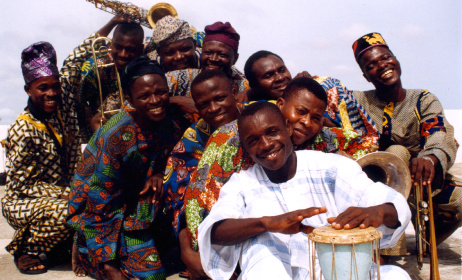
140 66
37 61
222 32
169 29
366 42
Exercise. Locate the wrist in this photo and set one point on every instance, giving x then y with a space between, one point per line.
429 159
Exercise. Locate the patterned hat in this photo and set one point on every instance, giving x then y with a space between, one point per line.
169 30
222 32
366 42
37 61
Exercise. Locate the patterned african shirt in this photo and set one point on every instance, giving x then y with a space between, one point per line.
224 156
38 173
417 123
343 109
105 207
181 163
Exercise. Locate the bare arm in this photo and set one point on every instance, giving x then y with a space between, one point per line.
234 231
106 29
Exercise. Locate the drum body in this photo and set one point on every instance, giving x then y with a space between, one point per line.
345 254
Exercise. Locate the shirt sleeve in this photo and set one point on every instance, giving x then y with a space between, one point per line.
437 135
354 188
25 169
104 211
219 261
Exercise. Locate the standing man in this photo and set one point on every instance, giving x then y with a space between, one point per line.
42 154
412 125
80 86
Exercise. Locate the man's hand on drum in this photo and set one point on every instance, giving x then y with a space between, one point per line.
423 168
364 217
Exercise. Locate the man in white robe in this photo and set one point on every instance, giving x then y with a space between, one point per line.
262 217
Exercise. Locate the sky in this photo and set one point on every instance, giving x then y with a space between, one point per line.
315 36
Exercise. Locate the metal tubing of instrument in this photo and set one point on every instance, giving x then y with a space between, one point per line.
434 271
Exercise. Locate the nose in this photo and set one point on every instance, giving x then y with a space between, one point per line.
381 64
213 57
178 55
123 53
266 144
154 99
213 107
278 77
306 121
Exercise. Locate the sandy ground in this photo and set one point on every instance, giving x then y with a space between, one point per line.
449 258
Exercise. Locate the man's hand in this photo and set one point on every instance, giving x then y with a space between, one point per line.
234 231
156 184
185 103
423 168
106 29
305 74
365 217
191 258
291 223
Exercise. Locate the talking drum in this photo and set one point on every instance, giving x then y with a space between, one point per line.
345 254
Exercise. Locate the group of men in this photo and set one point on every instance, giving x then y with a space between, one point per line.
218 155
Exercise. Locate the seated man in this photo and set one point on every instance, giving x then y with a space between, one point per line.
175 48
268 77
412 125
262 215
111 206
79 76
302 104
42 155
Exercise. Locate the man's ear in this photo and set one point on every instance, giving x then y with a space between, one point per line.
365 77
289 128
280 103
27 89
236 56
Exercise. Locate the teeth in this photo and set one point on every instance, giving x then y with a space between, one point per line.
386 73
156 110
271 155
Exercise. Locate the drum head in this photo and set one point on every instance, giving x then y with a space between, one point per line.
329 235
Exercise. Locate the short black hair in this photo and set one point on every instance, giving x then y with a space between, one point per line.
258 106
248 71
130 29
205 75
305 83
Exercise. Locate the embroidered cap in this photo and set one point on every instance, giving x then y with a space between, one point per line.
37 61
169 30
366 42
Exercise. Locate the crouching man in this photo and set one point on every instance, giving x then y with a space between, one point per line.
264 213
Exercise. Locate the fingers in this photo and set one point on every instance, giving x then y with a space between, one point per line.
422 169
357 216
306 229
147 186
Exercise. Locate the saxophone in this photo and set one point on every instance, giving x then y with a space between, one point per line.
134 13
